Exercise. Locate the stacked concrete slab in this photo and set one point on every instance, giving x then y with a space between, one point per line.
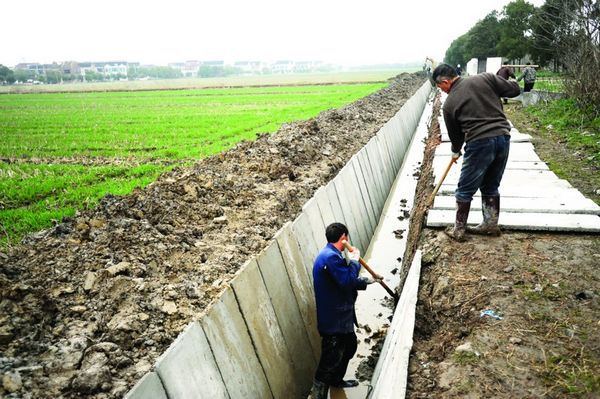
259 338
532 196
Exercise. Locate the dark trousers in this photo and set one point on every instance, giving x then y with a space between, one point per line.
336 352
528 87
482 168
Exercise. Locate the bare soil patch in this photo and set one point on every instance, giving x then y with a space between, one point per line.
539 337
88 306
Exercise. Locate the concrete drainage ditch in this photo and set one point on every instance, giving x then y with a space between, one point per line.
259 338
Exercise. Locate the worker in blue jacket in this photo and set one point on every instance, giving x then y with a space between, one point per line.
336 285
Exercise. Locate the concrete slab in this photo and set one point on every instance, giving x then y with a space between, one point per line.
440 163
149 387
325 207
364 202
515 137
391 373
520 175
379 171
270 346
232 347
387 145
315 221
344 185
375 189
334 201
390 171
525 221
524 189
275 276
518 152
391 137
302 284
516 204
308 248
188 368
370 194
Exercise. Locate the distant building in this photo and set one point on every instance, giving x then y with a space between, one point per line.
33 67
250 67
307 66
283 66
106 68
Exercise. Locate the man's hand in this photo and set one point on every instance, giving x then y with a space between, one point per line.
377 279
456 155
354 254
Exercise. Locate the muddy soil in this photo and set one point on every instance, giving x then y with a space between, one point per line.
539 337
88 306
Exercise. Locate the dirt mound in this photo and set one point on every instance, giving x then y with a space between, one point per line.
508 317
88 306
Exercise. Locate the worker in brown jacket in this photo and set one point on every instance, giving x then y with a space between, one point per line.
474 117
506 72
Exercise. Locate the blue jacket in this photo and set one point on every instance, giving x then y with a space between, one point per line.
336 284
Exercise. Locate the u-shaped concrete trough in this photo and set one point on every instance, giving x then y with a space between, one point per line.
259 338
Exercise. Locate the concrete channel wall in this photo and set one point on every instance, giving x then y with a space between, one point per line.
259 339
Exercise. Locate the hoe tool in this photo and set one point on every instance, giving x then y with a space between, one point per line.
372 272
437 188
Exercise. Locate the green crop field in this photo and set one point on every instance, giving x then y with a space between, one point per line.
64 151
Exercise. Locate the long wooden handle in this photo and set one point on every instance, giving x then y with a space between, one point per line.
371 271
437 188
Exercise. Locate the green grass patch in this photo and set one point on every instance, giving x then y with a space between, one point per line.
573 376
464 358
175 124
550 84
572 125
35 197
168 125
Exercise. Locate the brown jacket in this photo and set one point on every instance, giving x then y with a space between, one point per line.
473 111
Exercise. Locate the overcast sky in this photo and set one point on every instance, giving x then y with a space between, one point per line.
339 31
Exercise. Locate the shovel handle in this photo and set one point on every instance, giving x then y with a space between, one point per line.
437 188
371 271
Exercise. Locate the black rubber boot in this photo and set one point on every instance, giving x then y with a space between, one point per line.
490 207
462 214
319 390
346 384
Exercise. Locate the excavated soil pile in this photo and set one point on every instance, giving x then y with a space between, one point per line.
88 306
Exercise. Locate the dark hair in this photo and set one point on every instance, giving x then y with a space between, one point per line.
445 71
529 63
334 231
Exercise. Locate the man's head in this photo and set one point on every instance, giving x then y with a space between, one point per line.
443 76
529 63
505 63
335 231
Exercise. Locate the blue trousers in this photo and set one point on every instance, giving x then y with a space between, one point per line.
482 168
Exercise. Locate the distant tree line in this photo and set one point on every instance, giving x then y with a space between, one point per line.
561 34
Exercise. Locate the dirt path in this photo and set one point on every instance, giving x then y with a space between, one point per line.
87 307
540 338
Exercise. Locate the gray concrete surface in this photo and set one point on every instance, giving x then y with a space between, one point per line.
149 387
232 347
301 283
188 368
269 343
274 274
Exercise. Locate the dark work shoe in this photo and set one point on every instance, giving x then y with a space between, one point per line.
346 384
